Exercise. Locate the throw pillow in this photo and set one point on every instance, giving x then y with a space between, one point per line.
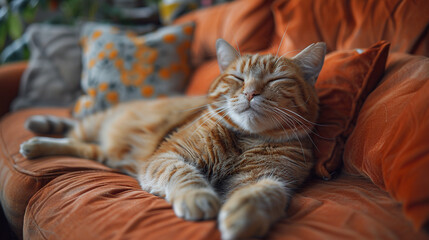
52 77
390 143
346 79
121 66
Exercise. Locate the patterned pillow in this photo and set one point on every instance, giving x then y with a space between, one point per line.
120 66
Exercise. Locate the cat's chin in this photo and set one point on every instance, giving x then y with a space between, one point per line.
251 121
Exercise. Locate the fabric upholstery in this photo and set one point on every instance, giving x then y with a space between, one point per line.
353 24
72 198
106 205
20 178
202 78
52 77
390 141
346 79
121 66
10 75
251 21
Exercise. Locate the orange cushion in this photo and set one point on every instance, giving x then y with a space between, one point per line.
353 24
103 205
390 144
10 76
346 79
246 23
13 134
20 178
202 78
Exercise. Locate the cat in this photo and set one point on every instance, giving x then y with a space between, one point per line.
236 155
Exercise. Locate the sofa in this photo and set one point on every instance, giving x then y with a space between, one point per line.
370 179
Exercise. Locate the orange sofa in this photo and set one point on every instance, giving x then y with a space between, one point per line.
370 179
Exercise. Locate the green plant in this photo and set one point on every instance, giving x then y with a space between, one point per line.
16 15
13 15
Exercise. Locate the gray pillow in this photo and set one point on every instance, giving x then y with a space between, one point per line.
121 65
52 77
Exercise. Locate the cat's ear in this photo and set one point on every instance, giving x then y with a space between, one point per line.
226 54
310 60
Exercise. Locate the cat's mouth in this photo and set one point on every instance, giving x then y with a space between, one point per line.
251 107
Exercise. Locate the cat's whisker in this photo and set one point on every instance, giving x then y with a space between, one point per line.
238 48
203 116
296 50
298 115
224 111
195 108
278 123
310 130
303 104
287 121
221 118
203 106
304 126
285 117
210 114
294 119
281 41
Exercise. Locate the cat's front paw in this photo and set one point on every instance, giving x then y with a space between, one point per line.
196 204
242 220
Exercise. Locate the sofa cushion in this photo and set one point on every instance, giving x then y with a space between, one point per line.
346 79
121 66
353 24
20 178
202 78
13 133
247 24
390 141
10 74
103 205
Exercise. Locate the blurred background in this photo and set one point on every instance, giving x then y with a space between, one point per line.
17 15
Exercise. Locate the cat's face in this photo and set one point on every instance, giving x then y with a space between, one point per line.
264 94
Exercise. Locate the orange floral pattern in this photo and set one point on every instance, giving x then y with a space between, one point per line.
121 65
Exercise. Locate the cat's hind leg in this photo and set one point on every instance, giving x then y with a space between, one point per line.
46 146
47 124
81 140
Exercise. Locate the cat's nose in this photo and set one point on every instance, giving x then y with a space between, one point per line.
250 95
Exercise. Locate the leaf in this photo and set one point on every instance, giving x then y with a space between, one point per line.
15 26
29 13
3 34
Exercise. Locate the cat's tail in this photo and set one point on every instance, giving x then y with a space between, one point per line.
47 124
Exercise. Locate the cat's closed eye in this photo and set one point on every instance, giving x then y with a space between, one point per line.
285 82
280 79
238 78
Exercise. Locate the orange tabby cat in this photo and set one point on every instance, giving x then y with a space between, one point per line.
236 155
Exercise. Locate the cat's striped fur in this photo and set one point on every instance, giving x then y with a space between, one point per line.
237 158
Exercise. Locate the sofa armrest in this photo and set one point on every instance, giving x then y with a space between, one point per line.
10 76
